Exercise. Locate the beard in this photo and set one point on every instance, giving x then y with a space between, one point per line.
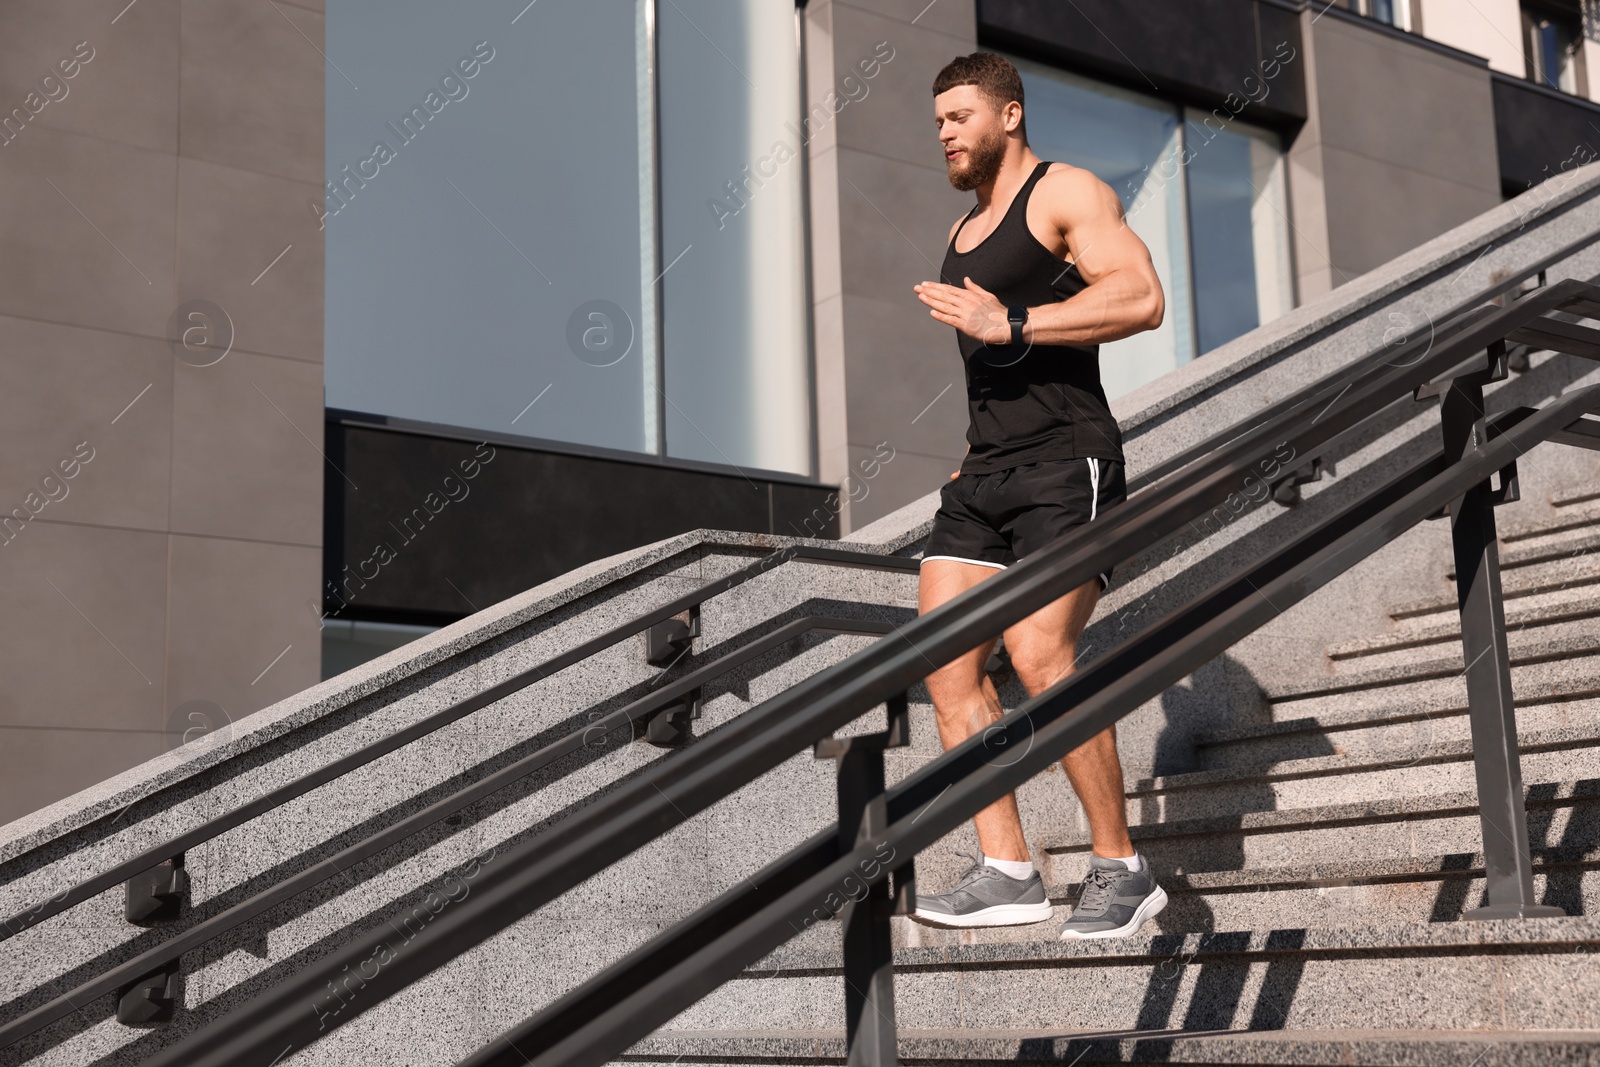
983 163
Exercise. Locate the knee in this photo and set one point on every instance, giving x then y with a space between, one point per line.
1039 667
952 686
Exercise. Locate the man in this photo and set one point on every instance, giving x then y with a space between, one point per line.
1035 277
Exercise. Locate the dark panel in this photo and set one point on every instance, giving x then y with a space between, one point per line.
427 528
1193 51
1540 132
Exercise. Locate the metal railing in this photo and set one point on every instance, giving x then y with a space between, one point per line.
157 854
881 831
1389 355
150 971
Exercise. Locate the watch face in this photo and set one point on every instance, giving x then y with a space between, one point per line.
1006 355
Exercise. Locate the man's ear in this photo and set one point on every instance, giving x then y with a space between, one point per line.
1012 116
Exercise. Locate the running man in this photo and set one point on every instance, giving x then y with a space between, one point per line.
1039 273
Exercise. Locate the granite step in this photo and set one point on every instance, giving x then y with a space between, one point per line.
1562 641
1561 814
1534 551
1524 613
1568 752
1470 975
56 955
1408 731
1321 892
1568 517
1578 494
1565 670
1523 582
1086 1048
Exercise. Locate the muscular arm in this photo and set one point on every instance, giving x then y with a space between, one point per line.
1122 297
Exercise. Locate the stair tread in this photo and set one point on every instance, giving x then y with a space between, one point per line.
1524 646
1521 582
1341 763
1374 809
1568 517
1580 541
1405 708
1358 1047
1389 715
1581 572
1345 872
1578 494
1363 939
1543 609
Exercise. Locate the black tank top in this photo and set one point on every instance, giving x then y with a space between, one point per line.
1046 404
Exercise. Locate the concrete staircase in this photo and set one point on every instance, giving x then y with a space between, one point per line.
1309 803
1317 867
157 801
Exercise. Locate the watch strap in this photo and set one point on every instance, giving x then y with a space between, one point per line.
1017 316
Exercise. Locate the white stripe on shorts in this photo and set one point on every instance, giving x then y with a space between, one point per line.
1094 486
963 559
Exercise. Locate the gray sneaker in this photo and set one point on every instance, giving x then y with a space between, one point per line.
1115 901
986 896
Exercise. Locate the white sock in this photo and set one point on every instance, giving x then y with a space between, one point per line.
1134 862
1018 869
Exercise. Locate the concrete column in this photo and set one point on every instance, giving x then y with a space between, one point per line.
889 378
1399 148
165 510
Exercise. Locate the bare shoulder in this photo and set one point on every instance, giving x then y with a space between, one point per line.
1072 192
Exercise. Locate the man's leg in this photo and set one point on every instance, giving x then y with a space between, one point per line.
1044 650
966 703
1120 893
1001 888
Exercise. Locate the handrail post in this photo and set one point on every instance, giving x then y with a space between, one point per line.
1508 866
868 954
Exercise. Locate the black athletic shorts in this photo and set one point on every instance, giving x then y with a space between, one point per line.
996 519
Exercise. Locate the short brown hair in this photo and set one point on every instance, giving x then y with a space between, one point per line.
994 76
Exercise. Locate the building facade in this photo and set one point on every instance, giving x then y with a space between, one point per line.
332 322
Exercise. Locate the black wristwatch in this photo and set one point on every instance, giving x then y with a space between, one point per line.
1016 315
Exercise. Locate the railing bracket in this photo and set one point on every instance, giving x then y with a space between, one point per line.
1492 364
156 896
670 639
1286 490
672 725
151 998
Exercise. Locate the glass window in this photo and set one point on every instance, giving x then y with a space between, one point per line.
1217 226
735 344
1396 13
487 252
1238 220
1133 144
1553 42
497 257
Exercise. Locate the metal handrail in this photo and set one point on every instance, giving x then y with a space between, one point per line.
1367 364
155 854
533 873
595 1022
590 735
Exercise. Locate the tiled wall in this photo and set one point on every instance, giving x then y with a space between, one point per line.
881 210
173 572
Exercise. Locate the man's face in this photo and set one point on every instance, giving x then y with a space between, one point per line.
973 133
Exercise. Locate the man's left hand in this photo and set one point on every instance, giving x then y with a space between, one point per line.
973 310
